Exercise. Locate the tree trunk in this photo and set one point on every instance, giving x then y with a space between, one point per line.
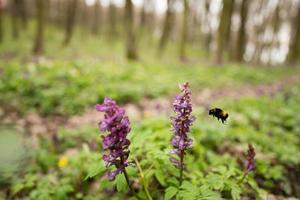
168 24
1 21
184 31
241 37
143 20
147 18
131 52
23 13
224 29
294 49
39 38
207 36
112 20
96 18
14 19
70 21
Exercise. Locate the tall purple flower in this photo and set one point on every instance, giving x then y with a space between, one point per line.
181 124
250 159
250 164
116 144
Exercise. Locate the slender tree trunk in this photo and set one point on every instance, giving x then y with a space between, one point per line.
1 21
97 18
184 31
59 6
131 52
70 21
294 49
224 29
207 36
23 13
147 18
39 38
14 19
112 20
241 37
228 24
168 24
143 20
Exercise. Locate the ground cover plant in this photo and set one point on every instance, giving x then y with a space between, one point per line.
213 164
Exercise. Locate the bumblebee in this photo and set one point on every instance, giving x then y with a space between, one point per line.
219 114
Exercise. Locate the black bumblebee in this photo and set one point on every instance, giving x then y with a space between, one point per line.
219 114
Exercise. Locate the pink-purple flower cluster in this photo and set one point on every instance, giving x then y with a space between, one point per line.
115 142
250 159
181 124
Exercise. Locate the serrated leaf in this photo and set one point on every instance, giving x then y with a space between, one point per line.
188 186
95 170
170 192
17 188
160 177
215 181
235 192
207 194
121 183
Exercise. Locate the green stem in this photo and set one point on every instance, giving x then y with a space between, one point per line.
142 178
243 178
181 168
128 183
127 180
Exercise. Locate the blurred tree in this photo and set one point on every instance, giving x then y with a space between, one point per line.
223 35
1 20
59 14
184 30
96 18
83 13
168 24
241 37
294 49
147 18
131 52
194 32
207 35
14 18
38 47
22 12
143 20
258 30
112 20
70 20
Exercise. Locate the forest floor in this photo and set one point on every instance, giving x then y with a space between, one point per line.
35 124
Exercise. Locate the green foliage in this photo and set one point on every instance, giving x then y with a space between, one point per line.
69 87
213 165
170 192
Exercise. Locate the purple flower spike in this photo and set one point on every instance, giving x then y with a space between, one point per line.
115 142
250 159
181 124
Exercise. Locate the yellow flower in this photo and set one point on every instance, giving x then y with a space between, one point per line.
63 161
147 114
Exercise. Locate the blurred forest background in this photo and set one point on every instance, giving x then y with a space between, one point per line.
58 58
262 31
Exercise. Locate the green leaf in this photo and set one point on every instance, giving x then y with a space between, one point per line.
207 194
95 170
17 188
160 177
215 181
170 192
121 183
235 192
